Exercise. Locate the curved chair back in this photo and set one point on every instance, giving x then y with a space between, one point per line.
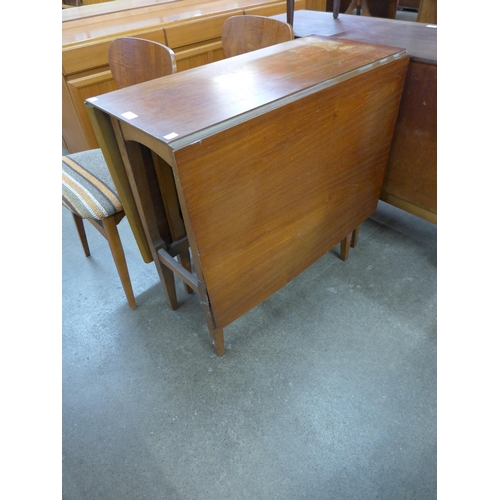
241 34
134 60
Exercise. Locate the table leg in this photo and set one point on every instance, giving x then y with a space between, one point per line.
218 341
355 236
345 244
290 4
350 241
336 8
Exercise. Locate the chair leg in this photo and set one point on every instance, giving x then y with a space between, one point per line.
350 241
365 9
359 6
336 8
355 236
345 244
217 335
111 233
167 282
351 7
81 233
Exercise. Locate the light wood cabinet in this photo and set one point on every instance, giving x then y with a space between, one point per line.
191 29
79 136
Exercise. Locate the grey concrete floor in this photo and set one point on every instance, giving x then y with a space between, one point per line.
327 389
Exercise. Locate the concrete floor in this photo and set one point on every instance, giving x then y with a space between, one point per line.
327 389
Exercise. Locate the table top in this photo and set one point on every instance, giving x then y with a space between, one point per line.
188 106
419 39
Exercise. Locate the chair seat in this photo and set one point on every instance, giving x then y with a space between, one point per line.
87 187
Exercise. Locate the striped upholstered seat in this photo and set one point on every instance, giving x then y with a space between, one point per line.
89 193
87 188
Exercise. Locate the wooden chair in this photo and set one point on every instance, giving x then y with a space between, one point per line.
241 34
88 190
134 60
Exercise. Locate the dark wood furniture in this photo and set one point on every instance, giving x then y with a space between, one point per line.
277 156
411 178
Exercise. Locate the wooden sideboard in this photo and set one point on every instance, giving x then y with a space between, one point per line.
192 29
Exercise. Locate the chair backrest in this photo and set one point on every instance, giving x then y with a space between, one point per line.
134 60
241 34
